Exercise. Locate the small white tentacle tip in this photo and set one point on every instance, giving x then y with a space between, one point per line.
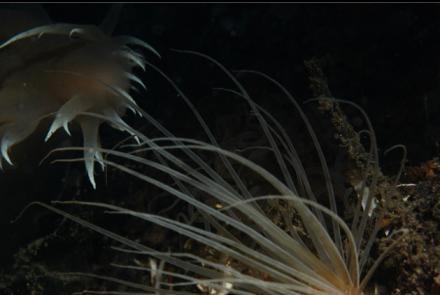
66 128
4 151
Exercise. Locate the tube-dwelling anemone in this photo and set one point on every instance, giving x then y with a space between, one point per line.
64 70
327 258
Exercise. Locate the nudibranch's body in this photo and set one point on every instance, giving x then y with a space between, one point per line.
67 72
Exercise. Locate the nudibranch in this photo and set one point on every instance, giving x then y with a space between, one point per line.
66 72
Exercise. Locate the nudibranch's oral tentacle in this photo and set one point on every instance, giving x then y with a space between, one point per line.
5 144
131 56
128 40
134 78
124 94
68 112
118 123
90 130
14 133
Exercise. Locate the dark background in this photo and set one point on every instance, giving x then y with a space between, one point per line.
385 57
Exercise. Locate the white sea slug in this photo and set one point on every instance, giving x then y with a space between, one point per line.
66 72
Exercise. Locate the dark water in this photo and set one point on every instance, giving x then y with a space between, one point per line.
383 57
